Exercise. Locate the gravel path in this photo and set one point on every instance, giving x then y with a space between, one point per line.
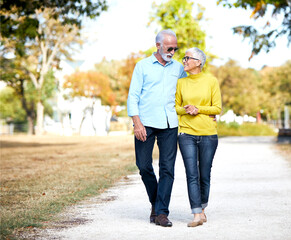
250 198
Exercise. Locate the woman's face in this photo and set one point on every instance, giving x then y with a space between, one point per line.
190 63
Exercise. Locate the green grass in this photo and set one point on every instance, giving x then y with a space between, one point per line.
246 129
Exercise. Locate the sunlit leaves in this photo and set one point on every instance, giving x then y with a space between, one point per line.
90 84
21 23
239 88
119 73
10 105
177 15
247 91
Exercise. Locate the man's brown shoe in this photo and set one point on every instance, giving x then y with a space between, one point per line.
163 221
153 215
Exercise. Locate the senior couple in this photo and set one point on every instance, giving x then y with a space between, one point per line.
159 90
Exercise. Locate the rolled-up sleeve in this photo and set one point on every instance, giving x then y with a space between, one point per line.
135 91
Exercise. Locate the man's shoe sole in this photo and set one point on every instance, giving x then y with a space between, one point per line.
157 223
152 220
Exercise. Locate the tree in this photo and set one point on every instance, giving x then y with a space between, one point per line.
38 34
266 39
16 77
10 106
111 70
91 85
18 21
239 88
177 15
125 73
119 73
39 55
276 85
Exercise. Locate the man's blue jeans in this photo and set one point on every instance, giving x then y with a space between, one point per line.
198 153
159 192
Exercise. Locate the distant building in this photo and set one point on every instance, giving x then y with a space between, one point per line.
229 116
76 116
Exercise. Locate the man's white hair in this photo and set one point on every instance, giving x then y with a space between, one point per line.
161 34
199 54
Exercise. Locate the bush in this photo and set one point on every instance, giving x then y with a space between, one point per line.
246 129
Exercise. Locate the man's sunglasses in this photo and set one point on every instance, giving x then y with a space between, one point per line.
187 58
170 49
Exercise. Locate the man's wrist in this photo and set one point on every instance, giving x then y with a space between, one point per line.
135 120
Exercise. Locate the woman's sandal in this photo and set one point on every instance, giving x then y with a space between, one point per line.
195 224
203 217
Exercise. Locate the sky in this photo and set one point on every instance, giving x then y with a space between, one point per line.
123 29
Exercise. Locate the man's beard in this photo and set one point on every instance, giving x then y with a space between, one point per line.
166 56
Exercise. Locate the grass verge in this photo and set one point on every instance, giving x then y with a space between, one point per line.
246 129
40 176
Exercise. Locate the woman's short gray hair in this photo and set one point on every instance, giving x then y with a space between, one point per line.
161 34
199 54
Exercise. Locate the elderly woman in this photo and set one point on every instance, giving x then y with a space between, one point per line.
197 97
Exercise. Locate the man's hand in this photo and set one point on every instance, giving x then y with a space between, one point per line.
214 117
192 110
139 129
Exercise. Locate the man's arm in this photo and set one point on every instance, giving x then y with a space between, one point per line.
133 102
135 91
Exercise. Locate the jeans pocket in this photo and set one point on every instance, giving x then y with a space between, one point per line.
213 137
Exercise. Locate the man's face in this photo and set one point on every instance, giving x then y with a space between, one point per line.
168 47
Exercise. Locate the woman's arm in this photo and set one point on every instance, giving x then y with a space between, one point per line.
179 100
215 107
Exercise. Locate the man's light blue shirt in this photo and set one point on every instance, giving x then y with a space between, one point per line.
152 92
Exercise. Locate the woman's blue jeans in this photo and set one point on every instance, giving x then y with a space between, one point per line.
198 153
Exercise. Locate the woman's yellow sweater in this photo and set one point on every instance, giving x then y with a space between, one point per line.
200 90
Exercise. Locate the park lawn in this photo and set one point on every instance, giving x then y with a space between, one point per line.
42 175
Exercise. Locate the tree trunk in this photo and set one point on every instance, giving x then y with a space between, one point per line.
39 118
28 109
279 118
83 118
286 117
92 113
30 122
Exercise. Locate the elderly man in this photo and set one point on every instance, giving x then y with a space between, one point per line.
151 104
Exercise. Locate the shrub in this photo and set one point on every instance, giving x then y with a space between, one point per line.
246 129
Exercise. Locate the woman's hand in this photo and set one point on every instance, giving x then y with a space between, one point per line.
192 110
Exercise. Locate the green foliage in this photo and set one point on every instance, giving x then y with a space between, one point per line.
18 100
119 74
266 38
177 16
240 89
275 83
246 129
49 87
22 24
122 113
247 91
37 34
10 105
